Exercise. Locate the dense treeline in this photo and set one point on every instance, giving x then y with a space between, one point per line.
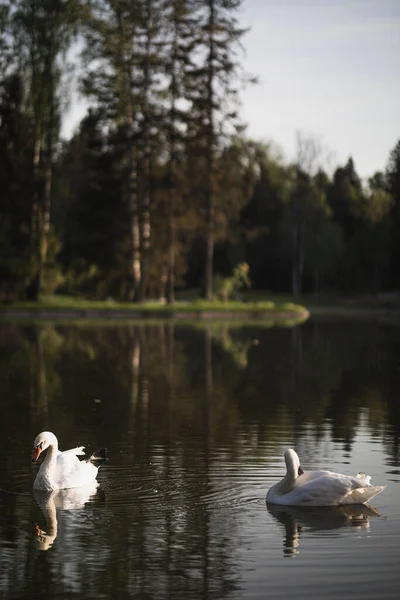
159 188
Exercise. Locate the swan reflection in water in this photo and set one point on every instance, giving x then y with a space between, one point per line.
66 500
318 518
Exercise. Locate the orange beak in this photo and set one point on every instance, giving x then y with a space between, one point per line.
36 454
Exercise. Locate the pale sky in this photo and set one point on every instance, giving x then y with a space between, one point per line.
330 68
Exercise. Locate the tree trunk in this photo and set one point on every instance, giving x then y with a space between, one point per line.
48 180
209 266
316 280
375 279
32 291
171 249
44 229
301 257
209 261
134 269
145 235
134 234
172 169
48 174
147 160
297 247
45 126
295 260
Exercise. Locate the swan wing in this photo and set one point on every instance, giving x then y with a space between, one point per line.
78 451
324 488
71 472
363 494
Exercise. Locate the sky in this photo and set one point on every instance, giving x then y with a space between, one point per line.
327 68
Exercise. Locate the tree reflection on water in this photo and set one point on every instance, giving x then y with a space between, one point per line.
184 412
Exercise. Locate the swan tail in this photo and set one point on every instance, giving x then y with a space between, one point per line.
98 457
363 495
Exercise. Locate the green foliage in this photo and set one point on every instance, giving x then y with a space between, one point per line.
227 288
393 174
53 278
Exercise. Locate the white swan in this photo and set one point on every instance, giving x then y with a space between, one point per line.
61 470
320 488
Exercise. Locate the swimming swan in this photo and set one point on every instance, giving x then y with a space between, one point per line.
320 488
61 470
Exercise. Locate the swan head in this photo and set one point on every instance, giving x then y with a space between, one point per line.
43 441
293 463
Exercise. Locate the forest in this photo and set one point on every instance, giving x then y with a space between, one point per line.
159 189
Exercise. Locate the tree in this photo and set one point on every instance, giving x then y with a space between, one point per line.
150 63
264 220
6 57
176 57
92 215
372 241
392 177
300 199
346 199
16 146
324 246
109 59
307 200
212 93
123 37
42 32
393 174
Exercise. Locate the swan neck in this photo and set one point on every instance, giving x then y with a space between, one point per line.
50 459
287 483
292 468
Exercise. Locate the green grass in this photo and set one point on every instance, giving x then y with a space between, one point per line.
59 303
255 304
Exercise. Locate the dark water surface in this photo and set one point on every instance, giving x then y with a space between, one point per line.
196 422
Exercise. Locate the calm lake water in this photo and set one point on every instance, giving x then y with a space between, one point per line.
196 422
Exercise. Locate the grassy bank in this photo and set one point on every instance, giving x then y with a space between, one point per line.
67 306
255 306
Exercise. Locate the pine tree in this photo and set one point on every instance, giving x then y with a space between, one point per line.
212 84
179 33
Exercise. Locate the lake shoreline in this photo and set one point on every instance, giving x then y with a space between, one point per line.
143 314
282 312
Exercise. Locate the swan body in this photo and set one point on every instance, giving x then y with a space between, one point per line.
62 470
320 488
